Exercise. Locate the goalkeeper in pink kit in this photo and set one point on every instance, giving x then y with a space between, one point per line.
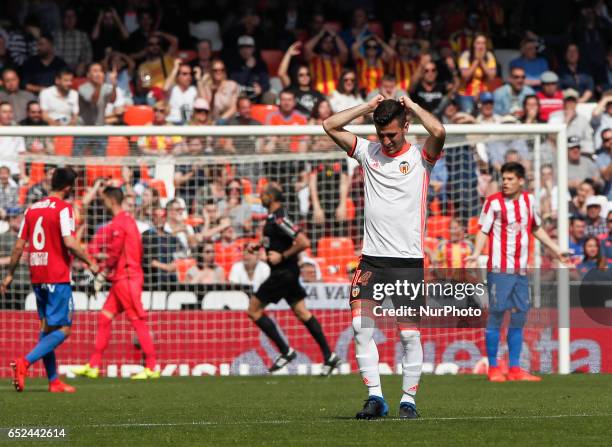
124 270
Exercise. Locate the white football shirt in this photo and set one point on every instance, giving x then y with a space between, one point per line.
395 188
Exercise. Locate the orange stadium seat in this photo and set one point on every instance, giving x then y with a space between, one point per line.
138 115
37 173
260 112
182 267
435 207
23 194
272 58
92 172
338 251
261 184
473 225
439 226
227 254
63 145
159 185
247 186
194 221
117 147
350 209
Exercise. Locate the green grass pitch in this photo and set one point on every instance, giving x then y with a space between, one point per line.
312 411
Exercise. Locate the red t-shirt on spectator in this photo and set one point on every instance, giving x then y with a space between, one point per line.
549 104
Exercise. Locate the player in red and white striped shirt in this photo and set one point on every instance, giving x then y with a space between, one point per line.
507 221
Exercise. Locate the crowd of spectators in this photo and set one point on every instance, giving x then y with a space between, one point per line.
212 63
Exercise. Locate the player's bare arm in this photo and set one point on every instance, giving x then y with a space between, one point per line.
75 248
481 240
334 125
300 244
437 134
15 257
541 235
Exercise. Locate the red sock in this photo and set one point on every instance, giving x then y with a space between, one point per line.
144 337
102 337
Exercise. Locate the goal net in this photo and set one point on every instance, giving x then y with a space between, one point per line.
194 192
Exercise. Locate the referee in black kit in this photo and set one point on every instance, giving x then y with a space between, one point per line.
283 241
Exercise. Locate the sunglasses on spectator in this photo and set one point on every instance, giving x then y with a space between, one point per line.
200 110
605 140
218 69
209 251
518 76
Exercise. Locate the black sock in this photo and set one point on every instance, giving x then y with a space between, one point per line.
317 333
269 328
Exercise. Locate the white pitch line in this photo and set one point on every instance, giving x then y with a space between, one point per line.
327 421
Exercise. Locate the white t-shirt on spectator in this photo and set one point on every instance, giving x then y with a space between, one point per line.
10 148
60 108
181 103
182 236
239 275
339 101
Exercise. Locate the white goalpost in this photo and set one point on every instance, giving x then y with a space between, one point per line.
195 310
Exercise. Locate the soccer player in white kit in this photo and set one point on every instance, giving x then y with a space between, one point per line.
396 177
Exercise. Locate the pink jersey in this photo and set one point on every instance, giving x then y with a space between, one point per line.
509 224
44 226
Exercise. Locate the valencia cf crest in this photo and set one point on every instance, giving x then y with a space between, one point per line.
355 291
404 167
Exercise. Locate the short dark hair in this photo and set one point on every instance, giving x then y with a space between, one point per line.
63 177
8 70
276 191
48 37
287 91
242 98
91 64
114 193
576 217
31 103
515 168
208 41
62 72
387 111
607 129
388 77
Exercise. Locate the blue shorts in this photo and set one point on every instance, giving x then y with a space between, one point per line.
507 291
54 303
